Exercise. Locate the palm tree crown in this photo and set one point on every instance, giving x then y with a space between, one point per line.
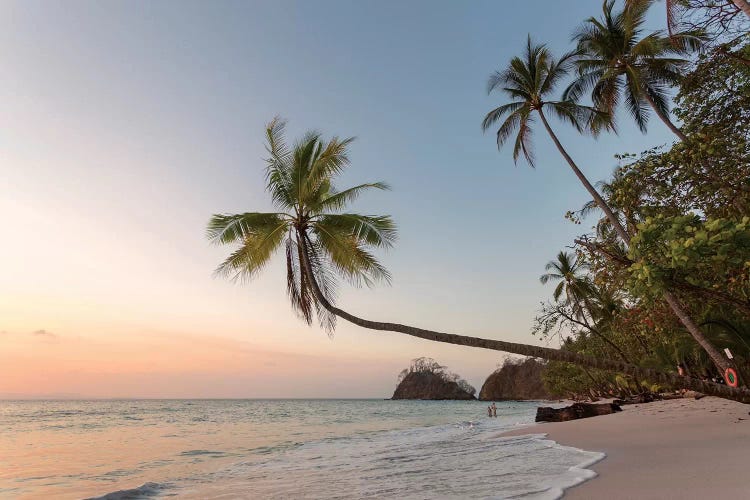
567 271
615 59
310 219
529 81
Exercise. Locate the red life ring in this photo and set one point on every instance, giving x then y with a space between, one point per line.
730 376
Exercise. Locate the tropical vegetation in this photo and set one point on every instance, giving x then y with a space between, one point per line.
688 206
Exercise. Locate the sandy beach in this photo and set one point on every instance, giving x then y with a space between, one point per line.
681 449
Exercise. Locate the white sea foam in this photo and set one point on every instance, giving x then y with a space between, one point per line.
450 461
574 476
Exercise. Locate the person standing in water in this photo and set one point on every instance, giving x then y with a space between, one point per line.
489 411
494 410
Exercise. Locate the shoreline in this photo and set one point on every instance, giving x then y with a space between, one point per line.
681 448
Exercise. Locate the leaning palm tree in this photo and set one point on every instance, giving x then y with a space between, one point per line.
529 81
323 242
616 60
310 224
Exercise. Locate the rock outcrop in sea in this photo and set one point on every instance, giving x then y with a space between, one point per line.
516 380
426 379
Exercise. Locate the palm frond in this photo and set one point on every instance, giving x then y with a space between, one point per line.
376 231
659 98
557 70
229 228
325 278
496 114
606 92
570 112
523 139
254 253
338 201
347 254
637 106
278 170
328 162
584 82
296 281
559 289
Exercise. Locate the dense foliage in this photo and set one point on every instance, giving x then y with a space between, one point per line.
688 209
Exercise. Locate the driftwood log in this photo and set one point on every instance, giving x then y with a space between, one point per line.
575 411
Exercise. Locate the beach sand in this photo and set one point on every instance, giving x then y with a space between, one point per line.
676 449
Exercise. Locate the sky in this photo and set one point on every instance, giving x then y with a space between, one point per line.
125 125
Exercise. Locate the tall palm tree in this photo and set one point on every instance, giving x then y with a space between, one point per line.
530 81
323 242
616 60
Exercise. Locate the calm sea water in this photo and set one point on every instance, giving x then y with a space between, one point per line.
278 449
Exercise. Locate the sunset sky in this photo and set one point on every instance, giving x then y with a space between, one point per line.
125 125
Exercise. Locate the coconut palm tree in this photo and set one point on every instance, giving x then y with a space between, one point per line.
337 244
529 81
566 271
322 242
617 61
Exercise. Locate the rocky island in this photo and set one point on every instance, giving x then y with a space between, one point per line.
516 380
427 379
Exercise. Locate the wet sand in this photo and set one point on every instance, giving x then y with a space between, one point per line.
676 449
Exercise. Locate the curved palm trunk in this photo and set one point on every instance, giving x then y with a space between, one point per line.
592 191
723 391
743 5
719 360
721 363
665 118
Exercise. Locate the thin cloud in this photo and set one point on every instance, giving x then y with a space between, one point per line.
44 333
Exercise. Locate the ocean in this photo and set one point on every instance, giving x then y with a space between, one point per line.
128 449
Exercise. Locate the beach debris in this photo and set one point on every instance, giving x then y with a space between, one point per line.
575 411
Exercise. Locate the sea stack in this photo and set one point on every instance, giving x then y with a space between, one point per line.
426 379
516 381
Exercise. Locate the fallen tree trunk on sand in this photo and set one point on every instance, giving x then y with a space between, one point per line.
575 411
